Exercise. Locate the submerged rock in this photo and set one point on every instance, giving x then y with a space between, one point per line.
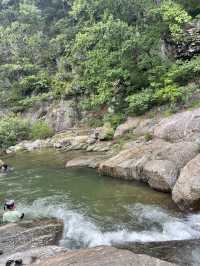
102 256
186 192
27 235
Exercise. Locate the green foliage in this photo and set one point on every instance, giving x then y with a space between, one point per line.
141 102
34 85
41 130
12 130
114 119
148 136
106 52
176 17
170 94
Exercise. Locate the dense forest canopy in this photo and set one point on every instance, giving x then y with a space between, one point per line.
107 52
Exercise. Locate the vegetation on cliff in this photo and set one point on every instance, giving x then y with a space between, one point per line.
109 53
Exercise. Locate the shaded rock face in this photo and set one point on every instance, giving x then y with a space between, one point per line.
33 256
157 163
27 235
190 46
102 256
186 192
181 126
60 116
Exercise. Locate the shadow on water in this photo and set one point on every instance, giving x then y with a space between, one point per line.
96 210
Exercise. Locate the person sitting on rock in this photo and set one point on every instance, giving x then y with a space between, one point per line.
11 215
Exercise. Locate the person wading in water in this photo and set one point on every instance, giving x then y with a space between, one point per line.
11 215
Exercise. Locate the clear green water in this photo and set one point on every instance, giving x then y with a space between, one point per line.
96 210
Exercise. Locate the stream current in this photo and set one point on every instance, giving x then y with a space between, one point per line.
96 210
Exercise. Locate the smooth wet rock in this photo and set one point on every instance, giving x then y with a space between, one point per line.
33 256
102 256
92 161
186 192
185 125
27 235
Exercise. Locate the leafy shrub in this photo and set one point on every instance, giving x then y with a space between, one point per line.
34 84
40 130
170 94
12 130
184 71
141 102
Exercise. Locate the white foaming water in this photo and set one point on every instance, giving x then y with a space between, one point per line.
82 231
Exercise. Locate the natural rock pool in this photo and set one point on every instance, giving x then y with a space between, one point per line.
96 210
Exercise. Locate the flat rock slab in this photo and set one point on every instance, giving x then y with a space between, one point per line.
102 256
27 235
182 252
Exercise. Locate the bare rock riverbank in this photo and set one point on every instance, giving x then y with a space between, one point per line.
161 152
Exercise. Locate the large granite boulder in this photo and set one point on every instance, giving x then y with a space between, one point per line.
186 192
27 235
102 256
185 125
138 126
162 173
32 256
130 124
156 162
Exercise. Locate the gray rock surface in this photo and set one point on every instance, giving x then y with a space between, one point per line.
59 115
91 161
181 126
186 192
103 256
162 174
130 124
27 235
62 116
156 162
34 255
